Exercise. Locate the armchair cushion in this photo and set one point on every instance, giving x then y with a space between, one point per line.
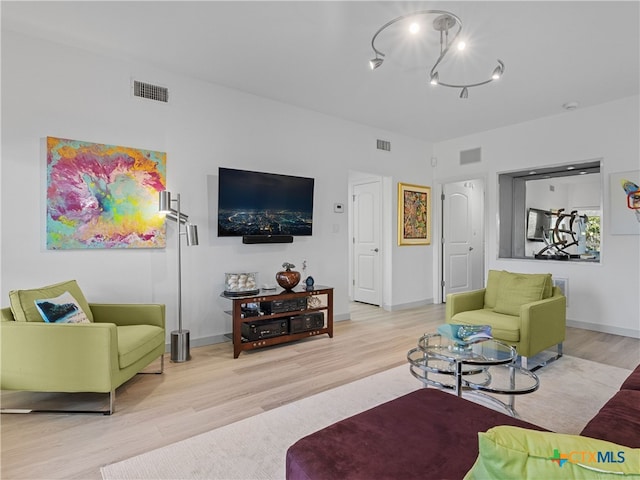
136 341
23 304
504 327
519 289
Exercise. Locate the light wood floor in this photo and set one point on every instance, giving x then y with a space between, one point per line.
213 390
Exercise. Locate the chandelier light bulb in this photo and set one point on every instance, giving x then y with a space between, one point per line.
461 45
434 78
464 93
414 28
498 71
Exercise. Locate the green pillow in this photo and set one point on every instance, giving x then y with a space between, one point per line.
548 285
23 302
517 289
493 285
508 452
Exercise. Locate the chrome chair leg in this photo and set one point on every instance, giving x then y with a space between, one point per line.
524 361
112 402
159 371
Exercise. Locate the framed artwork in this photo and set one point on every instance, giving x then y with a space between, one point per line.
103 196
414 214
624 203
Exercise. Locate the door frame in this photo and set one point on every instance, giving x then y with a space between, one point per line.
357 178
438 274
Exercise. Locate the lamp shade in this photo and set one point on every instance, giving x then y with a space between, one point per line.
164 201
192 234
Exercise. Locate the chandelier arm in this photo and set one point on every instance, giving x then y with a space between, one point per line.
422 12
465 86
470 85
441 57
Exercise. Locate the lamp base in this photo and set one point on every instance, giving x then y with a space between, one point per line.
180 346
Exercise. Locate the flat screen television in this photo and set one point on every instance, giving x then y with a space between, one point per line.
538 222
258 203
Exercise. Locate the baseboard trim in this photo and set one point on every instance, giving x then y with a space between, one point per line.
596 327
202 342
407 306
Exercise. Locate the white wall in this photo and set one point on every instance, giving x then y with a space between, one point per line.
54 90
604 296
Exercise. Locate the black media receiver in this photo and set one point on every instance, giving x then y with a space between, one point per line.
282 306
306 322
265 329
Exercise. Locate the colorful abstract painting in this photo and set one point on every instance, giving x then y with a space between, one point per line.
103 196
414 214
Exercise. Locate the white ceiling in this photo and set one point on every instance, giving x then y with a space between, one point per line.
315 54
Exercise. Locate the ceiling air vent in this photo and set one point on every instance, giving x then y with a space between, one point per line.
150 92
384 145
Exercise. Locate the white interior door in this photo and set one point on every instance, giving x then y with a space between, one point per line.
367 269
463 236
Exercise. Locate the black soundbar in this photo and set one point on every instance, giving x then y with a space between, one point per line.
267 239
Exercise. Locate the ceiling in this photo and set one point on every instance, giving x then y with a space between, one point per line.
315 54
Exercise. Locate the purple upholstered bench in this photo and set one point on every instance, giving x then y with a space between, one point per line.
424 434
618 420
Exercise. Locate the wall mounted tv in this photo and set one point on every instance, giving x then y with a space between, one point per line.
258 203
538 222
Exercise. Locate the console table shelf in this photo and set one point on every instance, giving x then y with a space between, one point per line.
322 293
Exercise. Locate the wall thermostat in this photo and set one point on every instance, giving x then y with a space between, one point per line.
338 207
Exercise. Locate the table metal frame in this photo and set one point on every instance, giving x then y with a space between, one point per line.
460 361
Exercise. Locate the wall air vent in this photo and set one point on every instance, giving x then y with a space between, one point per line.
384 145
470 156
150 92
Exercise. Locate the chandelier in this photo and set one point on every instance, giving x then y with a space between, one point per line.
443 23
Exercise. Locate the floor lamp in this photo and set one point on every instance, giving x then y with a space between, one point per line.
180 337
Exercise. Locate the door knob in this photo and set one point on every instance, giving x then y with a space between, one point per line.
375 250
470 248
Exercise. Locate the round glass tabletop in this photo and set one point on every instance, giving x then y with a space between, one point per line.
487 352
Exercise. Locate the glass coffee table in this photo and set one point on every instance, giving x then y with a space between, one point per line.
479 368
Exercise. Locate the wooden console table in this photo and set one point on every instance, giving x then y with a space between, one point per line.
322 302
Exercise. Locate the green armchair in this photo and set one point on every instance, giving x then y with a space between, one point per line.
118 342
524 310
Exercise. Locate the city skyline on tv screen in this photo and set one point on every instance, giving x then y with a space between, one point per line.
259 203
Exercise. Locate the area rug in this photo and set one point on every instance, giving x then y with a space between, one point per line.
571 391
